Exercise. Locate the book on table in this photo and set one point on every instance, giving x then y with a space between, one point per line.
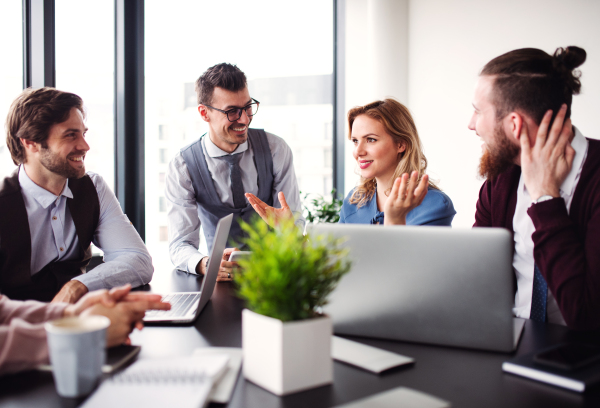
167 382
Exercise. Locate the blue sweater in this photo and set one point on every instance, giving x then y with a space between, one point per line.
436 209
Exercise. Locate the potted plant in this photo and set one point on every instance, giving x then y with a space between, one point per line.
319 210
285 281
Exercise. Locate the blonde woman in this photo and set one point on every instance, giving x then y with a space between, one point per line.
393 187
392 166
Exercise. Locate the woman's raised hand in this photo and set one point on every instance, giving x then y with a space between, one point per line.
407 193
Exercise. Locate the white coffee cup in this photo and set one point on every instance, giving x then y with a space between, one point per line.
77 348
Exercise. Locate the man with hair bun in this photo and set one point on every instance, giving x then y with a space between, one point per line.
543 183
211 177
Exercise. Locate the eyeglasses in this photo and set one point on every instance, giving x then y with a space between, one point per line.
236 113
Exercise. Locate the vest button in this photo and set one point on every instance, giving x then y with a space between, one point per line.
62 249
54 218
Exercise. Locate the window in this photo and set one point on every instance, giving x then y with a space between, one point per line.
289 67
162 155
11 74
163 234
163 132
85 66
162 204
328 157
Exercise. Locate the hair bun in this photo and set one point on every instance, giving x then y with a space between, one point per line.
571 57
565 60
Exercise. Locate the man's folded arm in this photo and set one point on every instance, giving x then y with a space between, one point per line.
126 258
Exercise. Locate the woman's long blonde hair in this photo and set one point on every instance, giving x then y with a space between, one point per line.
399 124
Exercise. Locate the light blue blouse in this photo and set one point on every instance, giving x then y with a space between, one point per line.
436 209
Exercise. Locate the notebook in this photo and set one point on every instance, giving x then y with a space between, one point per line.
426 284
167 382
223 390
186 306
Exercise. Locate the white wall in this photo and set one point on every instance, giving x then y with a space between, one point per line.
448 44
376 59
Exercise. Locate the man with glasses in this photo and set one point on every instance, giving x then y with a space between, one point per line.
207 179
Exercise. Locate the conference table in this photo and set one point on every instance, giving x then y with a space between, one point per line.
465 378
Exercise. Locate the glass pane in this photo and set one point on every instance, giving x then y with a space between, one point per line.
85 48
289 68
11 69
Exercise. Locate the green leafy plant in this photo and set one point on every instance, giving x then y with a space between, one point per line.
288 276
320 210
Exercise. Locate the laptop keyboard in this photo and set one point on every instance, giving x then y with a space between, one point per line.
181 303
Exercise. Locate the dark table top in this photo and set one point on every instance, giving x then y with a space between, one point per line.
466 378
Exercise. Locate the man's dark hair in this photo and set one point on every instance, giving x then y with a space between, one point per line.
33 113
223 75
532 81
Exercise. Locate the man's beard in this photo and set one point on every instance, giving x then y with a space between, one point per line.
56 164
499 157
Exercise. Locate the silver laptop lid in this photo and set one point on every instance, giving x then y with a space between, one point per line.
214 262
426 284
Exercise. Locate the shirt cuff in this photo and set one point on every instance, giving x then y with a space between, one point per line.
91 280
299 221
549 213
55 310
193 261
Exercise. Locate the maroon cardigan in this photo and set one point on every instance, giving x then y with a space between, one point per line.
566 246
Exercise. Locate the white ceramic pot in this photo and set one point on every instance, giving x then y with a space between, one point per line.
286 357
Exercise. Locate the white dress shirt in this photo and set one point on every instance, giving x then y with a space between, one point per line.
53 236
184 223
523 261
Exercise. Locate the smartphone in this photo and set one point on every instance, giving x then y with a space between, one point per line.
569 356
235 256
116 357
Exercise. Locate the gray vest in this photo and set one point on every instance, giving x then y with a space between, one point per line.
210 207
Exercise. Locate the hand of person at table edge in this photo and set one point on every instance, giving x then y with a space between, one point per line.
124 309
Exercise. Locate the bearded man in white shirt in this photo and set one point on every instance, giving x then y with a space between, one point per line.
52 210
209 178
542 182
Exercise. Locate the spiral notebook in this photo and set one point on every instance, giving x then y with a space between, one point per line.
169 382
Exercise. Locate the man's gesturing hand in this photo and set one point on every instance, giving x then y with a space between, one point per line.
270 214
546 164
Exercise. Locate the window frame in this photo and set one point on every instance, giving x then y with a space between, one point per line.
39 64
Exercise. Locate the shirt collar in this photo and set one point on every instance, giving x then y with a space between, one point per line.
214 151
580 145
40 194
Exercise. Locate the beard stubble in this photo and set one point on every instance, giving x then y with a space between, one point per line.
499 157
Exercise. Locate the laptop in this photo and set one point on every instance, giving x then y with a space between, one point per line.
186 306
436 285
